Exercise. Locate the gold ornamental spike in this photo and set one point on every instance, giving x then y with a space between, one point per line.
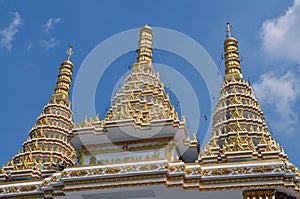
257 129
219 132
251 128
51 157
30 156
132 96
282 150
225 130
151 100
2 170
234 91
146 120
85 122
176 116
278 147
129 105
251 144
183 118
263 140
195 137
97 118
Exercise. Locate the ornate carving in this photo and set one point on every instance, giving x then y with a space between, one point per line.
244 170
112 170
64 174
130 169
78 173
221 172
45 183
28 188
196 171
96 171
188 171
270 193
179 168
205 172
286 169
11 189
263 169
148 167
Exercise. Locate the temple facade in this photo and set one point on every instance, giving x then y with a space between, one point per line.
142 148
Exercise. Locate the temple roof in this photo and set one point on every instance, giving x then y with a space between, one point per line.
241 156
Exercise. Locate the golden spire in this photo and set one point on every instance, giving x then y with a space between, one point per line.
63 83
231 54
145 46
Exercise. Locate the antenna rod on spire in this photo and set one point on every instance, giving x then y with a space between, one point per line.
70 52
228 29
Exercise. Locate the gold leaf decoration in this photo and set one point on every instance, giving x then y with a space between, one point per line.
78 173
28 188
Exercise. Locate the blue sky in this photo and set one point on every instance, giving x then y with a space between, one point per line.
34 36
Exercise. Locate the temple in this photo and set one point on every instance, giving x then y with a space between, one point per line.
142 148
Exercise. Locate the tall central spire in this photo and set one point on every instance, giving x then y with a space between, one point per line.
145 46
231 53
142 98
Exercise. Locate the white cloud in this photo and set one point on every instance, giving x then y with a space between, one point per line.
49 24
8 34
280 36
50 43
280 95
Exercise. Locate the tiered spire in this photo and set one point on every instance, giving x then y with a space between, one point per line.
145 46
239 130
231 54
62 89
47 147
142 98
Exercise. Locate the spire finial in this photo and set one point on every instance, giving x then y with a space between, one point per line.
70 52
228 29
145 45
63 83
231 55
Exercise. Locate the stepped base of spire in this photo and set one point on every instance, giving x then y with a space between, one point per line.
60 99
233 77
143 66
